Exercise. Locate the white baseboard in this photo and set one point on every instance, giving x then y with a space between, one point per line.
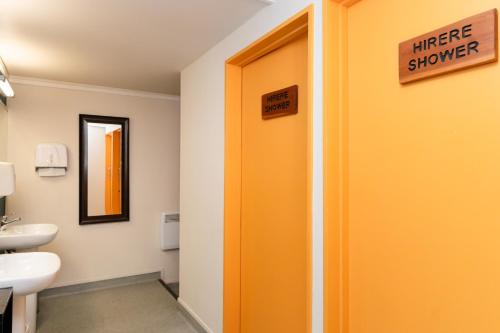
194 315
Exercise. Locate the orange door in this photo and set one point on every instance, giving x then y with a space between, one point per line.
422 181
107 188
113 202
116 183
274 265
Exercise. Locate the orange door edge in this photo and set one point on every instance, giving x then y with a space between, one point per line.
335 166
298 24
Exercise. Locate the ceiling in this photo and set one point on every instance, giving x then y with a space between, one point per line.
130 44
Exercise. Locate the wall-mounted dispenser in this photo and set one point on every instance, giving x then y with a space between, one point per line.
51 159
7 183
7 179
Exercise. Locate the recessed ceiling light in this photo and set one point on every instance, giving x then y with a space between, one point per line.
268 2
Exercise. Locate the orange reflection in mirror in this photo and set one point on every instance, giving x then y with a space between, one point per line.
112 193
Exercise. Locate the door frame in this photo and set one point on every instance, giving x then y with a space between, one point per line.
303 22
336 165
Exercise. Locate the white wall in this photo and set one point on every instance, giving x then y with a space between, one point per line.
96 169
202 167
94 252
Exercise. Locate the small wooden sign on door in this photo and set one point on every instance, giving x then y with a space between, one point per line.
280 103
467 43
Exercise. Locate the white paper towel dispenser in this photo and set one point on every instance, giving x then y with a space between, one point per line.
169 231
51 159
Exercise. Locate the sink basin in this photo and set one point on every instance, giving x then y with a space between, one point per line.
25 236
28 273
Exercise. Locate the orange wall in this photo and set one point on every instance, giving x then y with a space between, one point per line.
424 180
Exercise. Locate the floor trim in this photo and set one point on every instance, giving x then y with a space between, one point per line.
99 285
193 318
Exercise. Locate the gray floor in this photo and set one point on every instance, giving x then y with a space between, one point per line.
145 307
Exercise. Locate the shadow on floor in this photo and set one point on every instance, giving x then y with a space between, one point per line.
172 288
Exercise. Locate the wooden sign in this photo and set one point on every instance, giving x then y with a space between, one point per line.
279 103
467 43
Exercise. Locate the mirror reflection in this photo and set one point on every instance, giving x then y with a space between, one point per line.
104 169
104 175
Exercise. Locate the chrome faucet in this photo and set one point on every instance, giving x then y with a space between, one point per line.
4 221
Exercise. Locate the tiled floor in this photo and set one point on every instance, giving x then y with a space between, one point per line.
145 307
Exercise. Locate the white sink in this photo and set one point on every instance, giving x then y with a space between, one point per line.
27 273
25 236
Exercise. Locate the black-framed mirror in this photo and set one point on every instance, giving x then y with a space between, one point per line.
104 169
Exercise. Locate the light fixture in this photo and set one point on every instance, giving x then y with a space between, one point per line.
5 87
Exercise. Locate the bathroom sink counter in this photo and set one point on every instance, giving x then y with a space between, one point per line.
27 236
